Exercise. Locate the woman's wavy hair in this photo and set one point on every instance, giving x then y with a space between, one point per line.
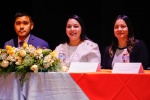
130 41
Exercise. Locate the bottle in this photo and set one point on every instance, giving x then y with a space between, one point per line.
125 56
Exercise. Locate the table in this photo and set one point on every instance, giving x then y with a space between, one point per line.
10 88
52 86
106 86
77 86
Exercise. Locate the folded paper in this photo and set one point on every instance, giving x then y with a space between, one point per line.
84 67
128 68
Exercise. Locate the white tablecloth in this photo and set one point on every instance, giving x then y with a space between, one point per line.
10 88
41 86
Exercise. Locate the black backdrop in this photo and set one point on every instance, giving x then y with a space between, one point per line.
49 17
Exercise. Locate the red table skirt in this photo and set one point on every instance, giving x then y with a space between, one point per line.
107 86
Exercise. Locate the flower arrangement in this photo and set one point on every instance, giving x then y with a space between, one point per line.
28 59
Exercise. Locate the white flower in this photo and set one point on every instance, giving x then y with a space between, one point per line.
64 68
3 56
11 58
5 63
39 52
34 68
22 53
47 61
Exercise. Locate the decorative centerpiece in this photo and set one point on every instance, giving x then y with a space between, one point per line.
28 59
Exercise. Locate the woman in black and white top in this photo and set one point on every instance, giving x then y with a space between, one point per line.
123 38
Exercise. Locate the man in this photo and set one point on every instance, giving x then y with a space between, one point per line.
23 25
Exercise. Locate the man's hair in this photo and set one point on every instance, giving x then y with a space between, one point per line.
20 14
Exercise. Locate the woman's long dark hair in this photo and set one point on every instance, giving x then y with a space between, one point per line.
130 41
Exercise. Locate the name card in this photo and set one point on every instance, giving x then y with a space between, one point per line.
128 68
84 67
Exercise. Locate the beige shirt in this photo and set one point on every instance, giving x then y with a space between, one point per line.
87 51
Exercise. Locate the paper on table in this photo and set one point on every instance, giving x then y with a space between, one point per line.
128 68
83 67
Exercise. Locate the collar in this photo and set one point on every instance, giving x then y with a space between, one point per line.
26 40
